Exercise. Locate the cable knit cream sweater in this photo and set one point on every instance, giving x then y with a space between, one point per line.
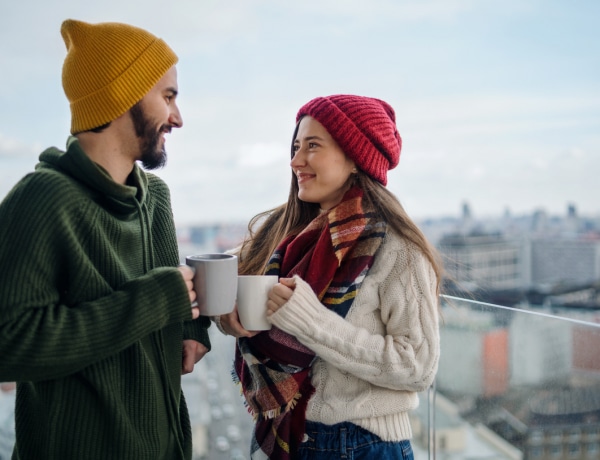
371 364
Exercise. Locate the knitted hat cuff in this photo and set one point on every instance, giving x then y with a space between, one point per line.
116 98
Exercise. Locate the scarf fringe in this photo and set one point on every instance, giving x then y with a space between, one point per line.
238 383
274 413
235 377
269 414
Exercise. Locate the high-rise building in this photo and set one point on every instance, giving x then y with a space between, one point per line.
564 260
487 262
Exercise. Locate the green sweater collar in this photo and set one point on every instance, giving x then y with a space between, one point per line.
76 164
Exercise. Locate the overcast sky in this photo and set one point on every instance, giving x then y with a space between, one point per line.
497 102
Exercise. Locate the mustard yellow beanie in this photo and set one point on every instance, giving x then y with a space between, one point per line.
109 67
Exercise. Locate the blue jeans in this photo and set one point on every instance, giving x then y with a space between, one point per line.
349 441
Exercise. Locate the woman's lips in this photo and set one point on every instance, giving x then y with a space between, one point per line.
303 177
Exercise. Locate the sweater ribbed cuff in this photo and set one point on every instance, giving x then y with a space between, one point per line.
197 330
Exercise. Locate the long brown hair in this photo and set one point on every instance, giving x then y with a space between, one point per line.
267 229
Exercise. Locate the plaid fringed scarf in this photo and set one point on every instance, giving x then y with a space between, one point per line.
332 254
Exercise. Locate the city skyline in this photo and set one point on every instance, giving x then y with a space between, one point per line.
498 103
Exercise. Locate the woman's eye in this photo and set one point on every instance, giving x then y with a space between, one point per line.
312 145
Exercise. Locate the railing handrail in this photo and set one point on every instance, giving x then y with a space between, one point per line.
520 310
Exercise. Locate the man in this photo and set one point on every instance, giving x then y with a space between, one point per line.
94 311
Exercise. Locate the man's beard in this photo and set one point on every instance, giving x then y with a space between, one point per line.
152 157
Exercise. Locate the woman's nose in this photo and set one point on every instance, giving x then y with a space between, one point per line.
297 159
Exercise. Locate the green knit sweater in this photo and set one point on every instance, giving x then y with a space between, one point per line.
93 313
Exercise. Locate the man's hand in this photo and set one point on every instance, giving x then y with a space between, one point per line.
188 276
192 353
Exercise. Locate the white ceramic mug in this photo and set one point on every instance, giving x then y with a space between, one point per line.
252 296
215 282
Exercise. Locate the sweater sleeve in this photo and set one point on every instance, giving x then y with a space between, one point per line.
198 330
48 341
399 349
43 335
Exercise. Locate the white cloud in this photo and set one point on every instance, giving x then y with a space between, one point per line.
576 153
12 147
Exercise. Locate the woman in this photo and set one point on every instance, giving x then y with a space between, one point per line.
355 314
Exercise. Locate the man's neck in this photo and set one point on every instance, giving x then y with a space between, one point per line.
112 149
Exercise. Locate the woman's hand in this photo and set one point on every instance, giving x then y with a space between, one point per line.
280 294
230 323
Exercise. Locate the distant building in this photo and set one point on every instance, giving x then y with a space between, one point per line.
534 359
488 264
531 378
557 423
476 354
564 260
483 261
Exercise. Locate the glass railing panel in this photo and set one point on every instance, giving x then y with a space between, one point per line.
513 384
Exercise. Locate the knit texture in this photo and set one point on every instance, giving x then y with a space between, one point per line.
364 128
109 67
91 314
384 351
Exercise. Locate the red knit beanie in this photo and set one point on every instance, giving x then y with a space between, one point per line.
364 128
